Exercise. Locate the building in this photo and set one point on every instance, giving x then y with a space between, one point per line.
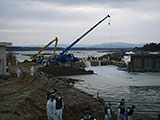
144 63
3 57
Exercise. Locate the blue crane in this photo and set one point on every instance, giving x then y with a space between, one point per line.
64 57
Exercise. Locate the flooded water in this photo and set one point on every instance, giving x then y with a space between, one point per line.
139 89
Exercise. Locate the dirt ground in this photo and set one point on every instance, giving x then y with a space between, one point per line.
25 98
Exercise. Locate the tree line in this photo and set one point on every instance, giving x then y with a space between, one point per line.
153 47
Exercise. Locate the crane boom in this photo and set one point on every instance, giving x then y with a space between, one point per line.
70 46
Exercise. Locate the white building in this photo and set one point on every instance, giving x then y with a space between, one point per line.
127 57
3 57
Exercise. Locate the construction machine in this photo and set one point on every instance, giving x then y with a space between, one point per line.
64 57
38 57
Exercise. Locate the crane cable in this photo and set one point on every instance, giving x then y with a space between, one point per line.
110 29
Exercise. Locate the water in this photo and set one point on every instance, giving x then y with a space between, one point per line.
140 89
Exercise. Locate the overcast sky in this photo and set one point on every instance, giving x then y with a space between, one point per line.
37 22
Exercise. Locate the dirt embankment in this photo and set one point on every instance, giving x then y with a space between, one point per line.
25 98
64 70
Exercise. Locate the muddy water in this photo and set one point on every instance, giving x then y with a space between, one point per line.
140 89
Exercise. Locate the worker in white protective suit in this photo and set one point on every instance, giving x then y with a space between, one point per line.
16 62
51 107
18 73
108 112
32 71
59 106
9 64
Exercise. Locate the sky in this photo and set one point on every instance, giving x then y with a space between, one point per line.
37 22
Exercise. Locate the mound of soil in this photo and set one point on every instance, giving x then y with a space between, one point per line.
64 70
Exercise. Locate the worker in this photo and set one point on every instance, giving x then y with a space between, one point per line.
59 106
129 112
9 64
16 62
121 110
97 95
18 73
87 116
51 107
121 113
121 103
108 112
32 71
7 69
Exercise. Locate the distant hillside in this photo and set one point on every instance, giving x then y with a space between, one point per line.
117 45
103 45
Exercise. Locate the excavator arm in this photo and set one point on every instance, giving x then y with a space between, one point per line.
34 57
49 45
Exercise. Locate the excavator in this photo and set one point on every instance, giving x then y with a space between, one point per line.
38 57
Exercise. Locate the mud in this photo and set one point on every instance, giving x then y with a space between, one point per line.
25 98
